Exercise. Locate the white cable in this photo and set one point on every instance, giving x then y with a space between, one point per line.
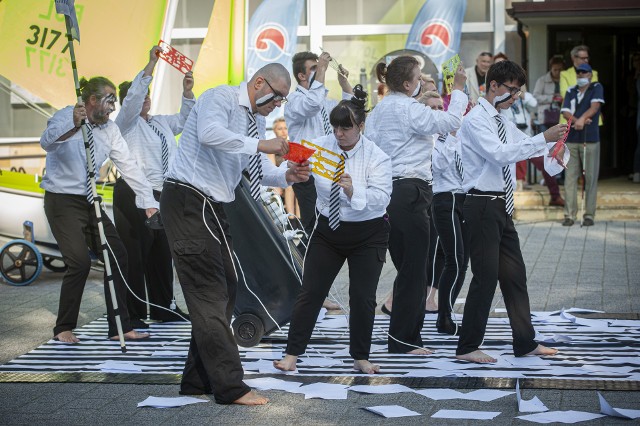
455 252
132 292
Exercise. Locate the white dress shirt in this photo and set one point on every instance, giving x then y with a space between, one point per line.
484 154
370 171
445 174
67 161
214 147
145 145
302 111
404 128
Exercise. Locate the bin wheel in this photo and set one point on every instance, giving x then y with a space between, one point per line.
248 330
20 262
58 266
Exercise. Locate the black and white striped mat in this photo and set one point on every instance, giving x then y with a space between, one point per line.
593 353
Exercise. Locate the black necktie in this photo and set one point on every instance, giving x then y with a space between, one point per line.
506 171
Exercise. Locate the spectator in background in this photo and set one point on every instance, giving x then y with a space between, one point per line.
290 204
568 77
547 93
499 57
582 103
476 76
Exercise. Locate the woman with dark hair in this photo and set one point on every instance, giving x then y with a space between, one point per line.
403 128
351 225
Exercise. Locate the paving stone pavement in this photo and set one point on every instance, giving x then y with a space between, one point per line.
596 268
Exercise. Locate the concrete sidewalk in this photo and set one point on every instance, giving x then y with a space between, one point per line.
596 268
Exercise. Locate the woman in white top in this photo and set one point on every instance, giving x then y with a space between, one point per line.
351 225
403 128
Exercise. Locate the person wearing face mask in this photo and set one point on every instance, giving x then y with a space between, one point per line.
352 226
568 77
307 115
582 103
491 145
69 203
223 135
151 140
403 128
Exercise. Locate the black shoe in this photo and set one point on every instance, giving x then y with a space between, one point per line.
587 221
445 325
138 323
568 222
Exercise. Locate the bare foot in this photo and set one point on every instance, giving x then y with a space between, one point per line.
543 350
288 363
67 337
420 351
251 398
132 335
330 306
477 356
365 366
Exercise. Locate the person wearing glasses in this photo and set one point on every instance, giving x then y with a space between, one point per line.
569 77
307 115
491 145
223 135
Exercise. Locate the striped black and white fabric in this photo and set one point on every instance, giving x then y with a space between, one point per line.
592 354
459 168
506 172
92 151
255 165
165 148
334 197
325 121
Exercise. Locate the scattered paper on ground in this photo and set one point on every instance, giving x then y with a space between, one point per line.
561 417
466 414
158 402
390 411
533 405
625 413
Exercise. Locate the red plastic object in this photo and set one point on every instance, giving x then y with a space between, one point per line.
298 153
175 58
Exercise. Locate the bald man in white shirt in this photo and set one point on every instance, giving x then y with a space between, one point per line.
223 135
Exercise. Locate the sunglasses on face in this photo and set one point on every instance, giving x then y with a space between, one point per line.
278 96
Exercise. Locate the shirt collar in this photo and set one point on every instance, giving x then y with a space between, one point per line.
491 110
353 151
243 98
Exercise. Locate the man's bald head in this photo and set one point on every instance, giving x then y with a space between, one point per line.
268 88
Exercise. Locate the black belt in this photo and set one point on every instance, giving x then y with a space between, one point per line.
199 191
474 191
397 178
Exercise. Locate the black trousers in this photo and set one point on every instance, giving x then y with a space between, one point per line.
436 257
364 246
409 250
306 195
149 256
209 283
495 257
454 239
74 226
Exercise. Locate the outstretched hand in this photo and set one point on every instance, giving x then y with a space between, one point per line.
278 146
187 85
298 172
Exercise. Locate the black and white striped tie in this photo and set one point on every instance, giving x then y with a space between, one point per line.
506 172
459 168
334 196
325 121
165 148
255 166
92 151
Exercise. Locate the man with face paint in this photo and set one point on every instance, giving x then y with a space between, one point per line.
491 145
223 135
69 205
307 115
151 139
582 102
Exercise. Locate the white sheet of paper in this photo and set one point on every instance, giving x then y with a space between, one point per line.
159 402
333 322
583 311
439 394
434 373
485 395
270 354
257 365
625 413
391 411
494 373
270 369
466 414
380 389
625 323
321 314
449 365
526 361
319 362
595 368
377 348
560 417
552 166
323 391
171 353
111 366
270 383
533 405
